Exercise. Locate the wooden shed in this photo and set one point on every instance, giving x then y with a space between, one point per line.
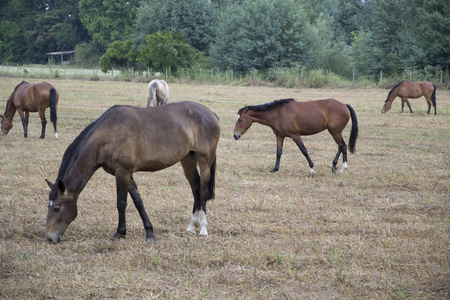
63 57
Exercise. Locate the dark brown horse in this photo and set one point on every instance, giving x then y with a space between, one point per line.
407 89
128 139
28 98
289 118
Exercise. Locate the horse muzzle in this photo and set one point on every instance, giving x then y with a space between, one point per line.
54 239
237 136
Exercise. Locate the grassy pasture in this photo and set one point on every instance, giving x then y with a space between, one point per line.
378 231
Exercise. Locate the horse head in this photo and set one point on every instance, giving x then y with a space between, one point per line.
243 123
7 124
62 210
387 106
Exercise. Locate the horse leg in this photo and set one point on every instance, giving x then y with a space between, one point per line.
205 193
43 123
409 105
301 146
403 104
280 141
24 118
123 179
189 164
429 105
342 148
137 200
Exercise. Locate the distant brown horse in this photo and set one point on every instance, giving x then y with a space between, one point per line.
289 118
28 98
406 89
128 139
157 93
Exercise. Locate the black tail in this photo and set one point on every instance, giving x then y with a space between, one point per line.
433 97
53 116
212 180
354 131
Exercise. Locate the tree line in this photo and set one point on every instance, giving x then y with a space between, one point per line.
339 36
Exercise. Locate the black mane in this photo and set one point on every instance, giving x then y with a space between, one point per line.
264 107
12 94
73 151
390 92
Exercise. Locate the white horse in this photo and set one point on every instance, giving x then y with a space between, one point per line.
157 93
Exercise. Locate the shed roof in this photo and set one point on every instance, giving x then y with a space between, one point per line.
61 52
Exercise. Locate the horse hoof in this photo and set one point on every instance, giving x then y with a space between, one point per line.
190 231
151 239
117 236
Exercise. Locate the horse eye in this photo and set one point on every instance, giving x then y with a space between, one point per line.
56 208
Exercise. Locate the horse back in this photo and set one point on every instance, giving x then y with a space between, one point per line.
315 116
33 97
151 139
415 89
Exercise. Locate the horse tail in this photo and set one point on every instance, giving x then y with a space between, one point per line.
354 131
212 181
433 96
53 116
154 87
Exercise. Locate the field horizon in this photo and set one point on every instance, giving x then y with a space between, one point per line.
380 230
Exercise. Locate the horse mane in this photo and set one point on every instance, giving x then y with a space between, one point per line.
264 107
12 94
390 92
73 151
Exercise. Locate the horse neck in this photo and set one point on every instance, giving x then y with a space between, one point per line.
392 95
263 117
10 108
78 172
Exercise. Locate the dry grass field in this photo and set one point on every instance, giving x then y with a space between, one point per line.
381 230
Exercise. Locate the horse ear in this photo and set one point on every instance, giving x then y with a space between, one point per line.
61 186
50 185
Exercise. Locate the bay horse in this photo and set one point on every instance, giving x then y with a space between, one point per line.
290 118
157 93
28 98
127 139
407 89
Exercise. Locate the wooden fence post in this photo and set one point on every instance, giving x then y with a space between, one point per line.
353 80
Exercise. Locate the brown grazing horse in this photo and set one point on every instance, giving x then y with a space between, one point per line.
128 139
407 89
28 98
157 93
289 118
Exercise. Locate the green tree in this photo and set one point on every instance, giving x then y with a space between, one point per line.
194 18
261 34
328 52
108 20
119 54
168 50
432 35
89 53
31 28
